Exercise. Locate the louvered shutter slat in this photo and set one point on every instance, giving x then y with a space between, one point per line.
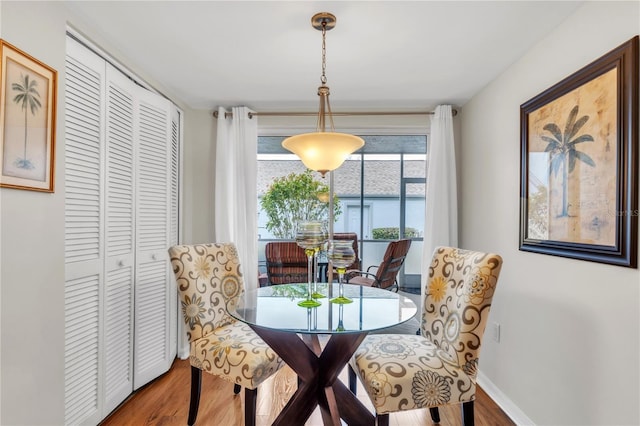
81 348
118 331
150 318
119 239
152 239
83 253
82 172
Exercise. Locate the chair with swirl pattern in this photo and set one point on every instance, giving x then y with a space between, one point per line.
208 278
439 367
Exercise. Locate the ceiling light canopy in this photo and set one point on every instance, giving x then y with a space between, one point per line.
323 151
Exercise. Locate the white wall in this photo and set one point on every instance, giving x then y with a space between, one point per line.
198 177
569 349
32 230
32 253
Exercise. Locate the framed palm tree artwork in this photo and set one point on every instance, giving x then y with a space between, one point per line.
27 121
579 163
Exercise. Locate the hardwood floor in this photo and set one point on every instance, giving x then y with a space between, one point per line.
165 402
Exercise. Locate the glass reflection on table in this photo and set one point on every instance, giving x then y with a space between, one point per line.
276 307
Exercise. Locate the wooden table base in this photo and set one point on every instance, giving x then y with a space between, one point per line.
318 372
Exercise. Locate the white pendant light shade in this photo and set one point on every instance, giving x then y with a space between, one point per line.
323 151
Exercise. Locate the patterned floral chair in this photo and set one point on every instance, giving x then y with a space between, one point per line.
405 372
208 278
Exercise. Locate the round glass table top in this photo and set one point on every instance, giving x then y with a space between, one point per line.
276 307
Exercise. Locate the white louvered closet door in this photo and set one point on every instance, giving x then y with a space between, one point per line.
84 256
121 163
119 238
177 328
152 350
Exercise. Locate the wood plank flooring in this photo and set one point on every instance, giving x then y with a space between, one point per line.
165 402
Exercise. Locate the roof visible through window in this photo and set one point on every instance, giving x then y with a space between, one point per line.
383 144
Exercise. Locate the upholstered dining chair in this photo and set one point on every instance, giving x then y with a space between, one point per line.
208 278
387 272
439 367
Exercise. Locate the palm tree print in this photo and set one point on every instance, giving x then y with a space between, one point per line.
564 154
27 97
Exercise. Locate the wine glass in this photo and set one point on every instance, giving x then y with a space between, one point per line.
341 255
310 235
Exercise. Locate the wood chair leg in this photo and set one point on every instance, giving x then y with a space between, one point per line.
250 399
435 414
353 383
236 389
196 382
467 413
382 419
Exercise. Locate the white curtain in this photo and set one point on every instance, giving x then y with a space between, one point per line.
236 198
441 218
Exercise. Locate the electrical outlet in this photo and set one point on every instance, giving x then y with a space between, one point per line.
496 331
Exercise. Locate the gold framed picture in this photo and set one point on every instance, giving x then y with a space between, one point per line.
27 121
579 163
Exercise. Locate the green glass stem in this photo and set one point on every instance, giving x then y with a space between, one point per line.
310 302
341 299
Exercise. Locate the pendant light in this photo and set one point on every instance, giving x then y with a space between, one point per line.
323 150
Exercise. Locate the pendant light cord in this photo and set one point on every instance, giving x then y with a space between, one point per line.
323 77
323 91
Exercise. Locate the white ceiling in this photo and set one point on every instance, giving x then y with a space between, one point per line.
384 55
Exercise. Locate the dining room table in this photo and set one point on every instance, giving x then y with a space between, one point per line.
318 342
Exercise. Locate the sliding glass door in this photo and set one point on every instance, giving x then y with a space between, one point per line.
381 191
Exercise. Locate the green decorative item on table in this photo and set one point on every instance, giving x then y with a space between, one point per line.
310 236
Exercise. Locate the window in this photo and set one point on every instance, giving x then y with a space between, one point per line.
381 190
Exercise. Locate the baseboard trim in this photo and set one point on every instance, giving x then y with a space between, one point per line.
183 351
509 408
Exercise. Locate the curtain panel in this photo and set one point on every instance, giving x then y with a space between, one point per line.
236 198
441 217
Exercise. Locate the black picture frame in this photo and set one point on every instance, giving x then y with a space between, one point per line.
579 163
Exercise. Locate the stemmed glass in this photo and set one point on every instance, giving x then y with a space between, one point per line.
310 235
341 255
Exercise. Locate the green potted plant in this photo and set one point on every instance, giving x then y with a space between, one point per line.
293 198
